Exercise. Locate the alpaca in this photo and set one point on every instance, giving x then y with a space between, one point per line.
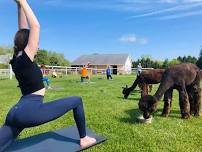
185 78
144 81
168 101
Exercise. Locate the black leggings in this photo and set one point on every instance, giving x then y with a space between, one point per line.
109 77
30 111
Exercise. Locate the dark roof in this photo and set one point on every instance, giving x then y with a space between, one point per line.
101 59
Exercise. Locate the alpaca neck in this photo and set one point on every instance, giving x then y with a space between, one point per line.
164 86
134 84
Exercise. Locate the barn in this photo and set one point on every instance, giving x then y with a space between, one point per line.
119 63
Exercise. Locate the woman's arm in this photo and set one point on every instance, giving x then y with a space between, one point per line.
22 20
32 46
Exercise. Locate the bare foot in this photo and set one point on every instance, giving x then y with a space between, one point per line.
87 141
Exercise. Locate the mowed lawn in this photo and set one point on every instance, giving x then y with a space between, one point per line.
108 114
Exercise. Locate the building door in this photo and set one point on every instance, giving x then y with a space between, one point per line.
114 69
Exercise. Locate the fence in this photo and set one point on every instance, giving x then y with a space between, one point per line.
6 73
63 70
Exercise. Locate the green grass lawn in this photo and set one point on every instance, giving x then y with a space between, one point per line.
108 114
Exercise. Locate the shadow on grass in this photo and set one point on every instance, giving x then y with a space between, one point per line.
121 98
173 113
129 98
134 98
132 119
135 113
136 91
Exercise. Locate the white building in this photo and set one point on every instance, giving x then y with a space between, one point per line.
4 59
119 63
5 73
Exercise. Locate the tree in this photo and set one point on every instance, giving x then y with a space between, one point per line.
188 59
148 62
191 59
199 61
42 57
173 62
58 59
51 58
6 50
165 63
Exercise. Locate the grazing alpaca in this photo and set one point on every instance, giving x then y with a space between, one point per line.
168 101
185 78
144 81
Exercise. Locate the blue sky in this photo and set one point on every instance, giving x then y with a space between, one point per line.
160 28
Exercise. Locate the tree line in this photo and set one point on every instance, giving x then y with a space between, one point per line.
43 57
148 62
51 58
56 59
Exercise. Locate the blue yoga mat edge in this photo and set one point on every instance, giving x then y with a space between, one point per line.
63 140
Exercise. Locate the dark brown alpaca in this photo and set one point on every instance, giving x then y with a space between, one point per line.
168 101
144 81
185 78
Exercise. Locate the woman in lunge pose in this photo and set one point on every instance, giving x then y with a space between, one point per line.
30 111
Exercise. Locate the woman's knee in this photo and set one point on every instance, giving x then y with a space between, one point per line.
77 100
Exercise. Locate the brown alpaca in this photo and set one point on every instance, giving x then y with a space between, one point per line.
185 78
144 81
145 88
168 101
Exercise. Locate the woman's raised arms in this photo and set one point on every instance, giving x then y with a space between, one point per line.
26 12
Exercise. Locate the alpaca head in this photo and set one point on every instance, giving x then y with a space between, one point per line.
148 105
126 92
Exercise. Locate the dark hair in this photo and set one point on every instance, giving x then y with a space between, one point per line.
21 40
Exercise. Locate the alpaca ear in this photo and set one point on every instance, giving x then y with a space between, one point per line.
126 86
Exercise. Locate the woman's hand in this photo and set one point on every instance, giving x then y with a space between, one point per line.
19 1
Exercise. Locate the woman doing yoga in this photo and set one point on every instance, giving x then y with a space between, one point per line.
30 110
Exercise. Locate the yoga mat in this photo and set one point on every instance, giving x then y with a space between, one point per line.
63 140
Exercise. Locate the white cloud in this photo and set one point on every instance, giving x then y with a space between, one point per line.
132 39
141 8
128 39
170 10
176 16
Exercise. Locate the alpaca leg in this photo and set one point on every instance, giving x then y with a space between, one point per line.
197 95
144 90
140 86
197 102
191 100
167 102
184 103
150 87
